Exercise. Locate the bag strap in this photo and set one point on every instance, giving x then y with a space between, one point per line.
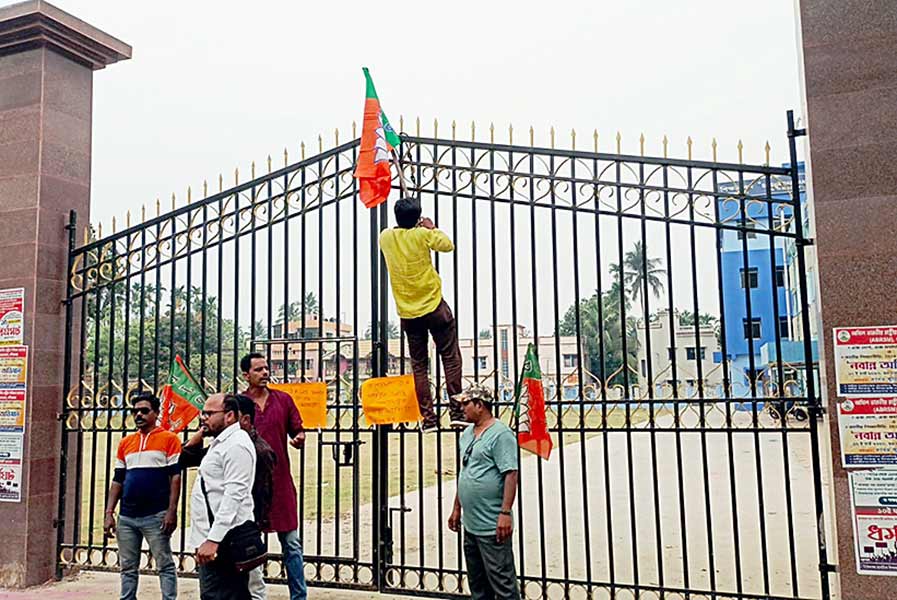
205 495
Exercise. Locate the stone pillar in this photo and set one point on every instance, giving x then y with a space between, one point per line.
850 75
47 59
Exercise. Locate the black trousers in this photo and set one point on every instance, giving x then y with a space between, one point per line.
222 582
490 568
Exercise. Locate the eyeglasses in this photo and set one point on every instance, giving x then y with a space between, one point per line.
466 458
208 413
143 410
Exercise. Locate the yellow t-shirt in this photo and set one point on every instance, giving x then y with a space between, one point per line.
416 285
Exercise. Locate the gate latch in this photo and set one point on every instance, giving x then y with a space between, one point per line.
343 451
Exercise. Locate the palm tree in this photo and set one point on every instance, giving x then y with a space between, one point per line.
293 311
639 273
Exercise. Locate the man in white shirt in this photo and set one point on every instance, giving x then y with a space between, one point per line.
228 471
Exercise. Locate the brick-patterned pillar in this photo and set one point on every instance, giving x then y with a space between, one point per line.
850 75
47 59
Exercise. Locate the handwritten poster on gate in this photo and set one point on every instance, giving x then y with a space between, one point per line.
12 316
868 429
390 400
866 361
874 507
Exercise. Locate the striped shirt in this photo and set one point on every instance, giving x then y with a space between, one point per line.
144 466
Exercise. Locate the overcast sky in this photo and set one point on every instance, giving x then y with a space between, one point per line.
215 85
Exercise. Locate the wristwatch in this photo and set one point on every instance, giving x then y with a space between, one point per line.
505 512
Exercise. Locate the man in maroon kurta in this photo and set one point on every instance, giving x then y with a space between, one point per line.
277 420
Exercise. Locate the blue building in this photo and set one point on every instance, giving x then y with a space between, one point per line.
758 285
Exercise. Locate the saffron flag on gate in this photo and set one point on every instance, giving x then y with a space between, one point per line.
532 426
182 397
378 138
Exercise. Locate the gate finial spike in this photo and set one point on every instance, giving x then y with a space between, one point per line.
286 156
189 194
354 130
220 182
573 138
100 230
143 213
336 136
269 163
510 133
595 137
665 142
473 131
689 142
113 224
619 142
252 170
158 207
86 233
491 133
128 219
401 123
532 136
173 201
417 126
740 152
453 129
551 135
205 188
713 145
320 143
767 152
435 127
237 176
302 148
641 144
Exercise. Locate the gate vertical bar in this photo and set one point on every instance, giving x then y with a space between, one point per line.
66 384
814 404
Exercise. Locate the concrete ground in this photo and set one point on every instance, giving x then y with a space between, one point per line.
91 586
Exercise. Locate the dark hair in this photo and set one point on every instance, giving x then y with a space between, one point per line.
407 211
231 404
146 397
246 361
247 406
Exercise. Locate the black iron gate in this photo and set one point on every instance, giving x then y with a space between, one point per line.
669 304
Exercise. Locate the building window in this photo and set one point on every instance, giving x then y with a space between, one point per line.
749 277
752 328
784 329
481 362
691 353
671 353
750 234
570 361
644 368
780 276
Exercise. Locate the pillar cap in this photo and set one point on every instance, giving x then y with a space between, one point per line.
36 23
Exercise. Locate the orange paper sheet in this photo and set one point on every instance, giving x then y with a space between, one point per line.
390 400
310 399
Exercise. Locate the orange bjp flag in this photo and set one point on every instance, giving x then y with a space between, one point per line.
378 138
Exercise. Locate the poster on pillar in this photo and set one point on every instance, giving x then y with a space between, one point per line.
868 428
873 499
13 392
866 361
12 316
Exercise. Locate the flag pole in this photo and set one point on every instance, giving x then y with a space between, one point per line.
402 184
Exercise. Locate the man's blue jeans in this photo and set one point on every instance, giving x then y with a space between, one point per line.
292 556
131 532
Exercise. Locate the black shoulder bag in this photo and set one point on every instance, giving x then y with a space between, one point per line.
243 546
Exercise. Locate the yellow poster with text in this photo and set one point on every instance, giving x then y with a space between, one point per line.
390 400
310 399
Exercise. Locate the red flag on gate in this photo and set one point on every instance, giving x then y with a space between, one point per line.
378 139
532 429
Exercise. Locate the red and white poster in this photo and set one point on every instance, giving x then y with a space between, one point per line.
868 432
866 361
12 316
874 504
13 393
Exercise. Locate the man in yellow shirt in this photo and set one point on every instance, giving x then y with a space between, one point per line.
417 289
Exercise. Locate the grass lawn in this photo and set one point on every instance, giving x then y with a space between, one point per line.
324 488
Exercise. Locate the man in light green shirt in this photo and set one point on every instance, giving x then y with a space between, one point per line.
487 487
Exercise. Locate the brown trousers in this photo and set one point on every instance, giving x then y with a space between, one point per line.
441 325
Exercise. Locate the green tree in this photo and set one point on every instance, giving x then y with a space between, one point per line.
392 331
687 319
640 272
485 334
293 311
